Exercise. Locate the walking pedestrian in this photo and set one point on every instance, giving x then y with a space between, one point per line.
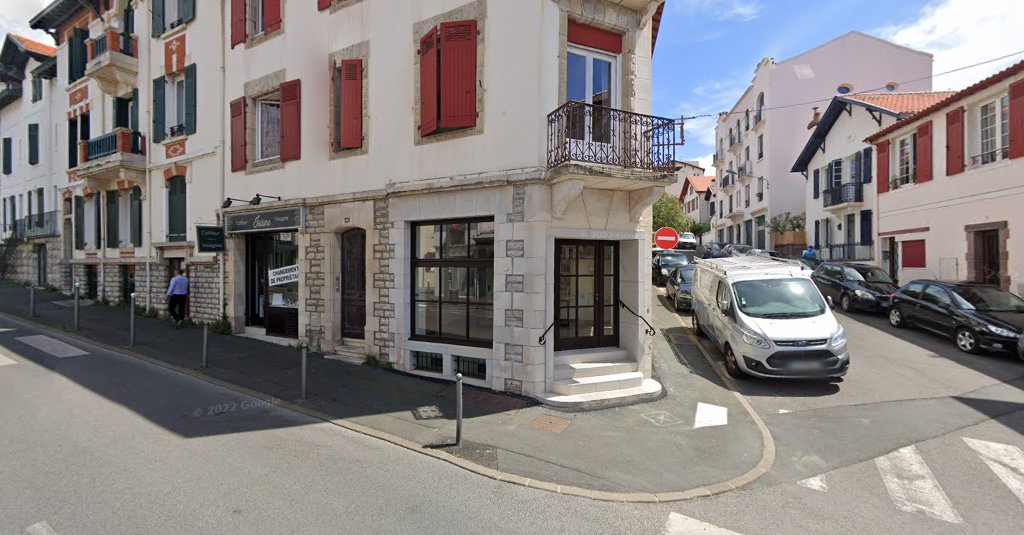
177 292
810 254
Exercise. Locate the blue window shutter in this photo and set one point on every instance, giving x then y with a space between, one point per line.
134 119
866 173
866 234
190 99
158 17
817 230
188 10
159 119
817 183
858 164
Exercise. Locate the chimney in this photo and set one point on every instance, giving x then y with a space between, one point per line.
814 120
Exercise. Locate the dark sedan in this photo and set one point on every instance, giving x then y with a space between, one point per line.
712 250
976 316
855 286
679 287
665 263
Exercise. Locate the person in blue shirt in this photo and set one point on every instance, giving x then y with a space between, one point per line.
810 254
177 292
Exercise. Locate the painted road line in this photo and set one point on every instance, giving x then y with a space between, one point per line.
912 486
814 483
40 528
679 525
5 329
52 346
6 361
784 411
709 415
1005 460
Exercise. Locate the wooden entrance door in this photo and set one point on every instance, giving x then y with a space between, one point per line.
586 294
990 272
353 283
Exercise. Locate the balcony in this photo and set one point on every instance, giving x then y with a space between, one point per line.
113 62
10 93
842 195
847 251
609 148
744 171
758 118
118 155
735 214
40 225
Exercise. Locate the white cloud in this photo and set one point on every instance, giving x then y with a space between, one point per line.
961 33
15 17
705 162
743 10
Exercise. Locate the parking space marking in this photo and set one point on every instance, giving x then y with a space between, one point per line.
678 524
661 418
912 486
52 346
814 483
1005 460
6 361
709 415
40 528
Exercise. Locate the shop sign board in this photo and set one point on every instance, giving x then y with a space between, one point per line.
284 275
210 239
265 221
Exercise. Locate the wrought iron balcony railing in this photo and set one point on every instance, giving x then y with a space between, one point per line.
847 251
990 156
118 141
119 42
40 225
844 193
581 132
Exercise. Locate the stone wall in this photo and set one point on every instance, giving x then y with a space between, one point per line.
204 284
314 278
383 281
23 263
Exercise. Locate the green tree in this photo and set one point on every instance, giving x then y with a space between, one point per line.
667 213
698 230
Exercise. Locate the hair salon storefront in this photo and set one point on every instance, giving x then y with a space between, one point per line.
266 268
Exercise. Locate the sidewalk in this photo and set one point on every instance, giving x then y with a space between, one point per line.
648 448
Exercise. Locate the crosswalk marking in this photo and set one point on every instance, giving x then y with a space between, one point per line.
679 525
1005 460
40 528
6 361
814 483
709 415
912 486
52 346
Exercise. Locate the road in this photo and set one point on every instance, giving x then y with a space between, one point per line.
916 439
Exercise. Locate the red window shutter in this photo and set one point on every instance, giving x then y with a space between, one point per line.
913 254
323 4
882 165
581 34
351 103
923 153
238 159
428 82
955 142
291 123
1017 119
238 20
271 15
458 74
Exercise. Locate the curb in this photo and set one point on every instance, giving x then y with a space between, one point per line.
767 458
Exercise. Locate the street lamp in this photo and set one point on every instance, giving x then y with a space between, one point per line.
227 202
259 198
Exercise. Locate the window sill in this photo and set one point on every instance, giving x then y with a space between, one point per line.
339 154
173 139
174 32
77 84
260 38
452 342
265 165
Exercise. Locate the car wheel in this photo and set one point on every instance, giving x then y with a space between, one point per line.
696 327
731 366
845 303
896 317
966 340
675 301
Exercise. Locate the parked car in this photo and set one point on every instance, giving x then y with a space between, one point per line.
764 252
712 250
679 287
687 241
767 319
808 263
1020 348
975 316
664 263
735 249
855 286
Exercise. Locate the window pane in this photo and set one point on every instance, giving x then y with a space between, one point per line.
609 320
480 284
481 322
270 129
428 241
481 239
586 321
576 78
453 320
428 362
601 96
454 281
470 367
586 291
567 264
456 240
567 291
609 260
586 259
427 287
427 315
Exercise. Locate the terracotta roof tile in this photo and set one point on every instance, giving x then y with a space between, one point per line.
35 46
700 184
909 102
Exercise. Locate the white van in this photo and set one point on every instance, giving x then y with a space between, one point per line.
767 318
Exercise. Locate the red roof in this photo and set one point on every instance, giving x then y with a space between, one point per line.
700 184
35 47
959 95
909 102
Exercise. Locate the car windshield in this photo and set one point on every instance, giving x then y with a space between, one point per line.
687 236
988 299
779 298
685 275
867 274
672 259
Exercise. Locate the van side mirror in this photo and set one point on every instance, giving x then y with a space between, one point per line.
831 305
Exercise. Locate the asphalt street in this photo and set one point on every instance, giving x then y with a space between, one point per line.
917 438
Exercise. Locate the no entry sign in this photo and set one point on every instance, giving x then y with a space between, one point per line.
666 238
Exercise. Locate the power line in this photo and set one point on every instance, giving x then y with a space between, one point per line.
866 91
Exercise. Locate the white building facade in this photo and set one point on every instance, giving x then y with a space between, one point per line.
762 135
950 187
694 198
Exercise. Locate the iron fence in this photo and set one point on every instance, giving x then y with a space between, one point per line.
843 193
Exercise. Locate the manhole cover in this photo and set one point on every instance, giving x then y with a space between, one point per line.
551 423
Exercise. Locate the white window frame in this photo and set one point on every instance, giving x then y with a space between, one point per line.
171 13
836 179
266 100
994 147
905 164
174 109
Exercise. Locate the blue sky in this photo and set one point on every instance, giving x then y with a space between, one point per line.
707 49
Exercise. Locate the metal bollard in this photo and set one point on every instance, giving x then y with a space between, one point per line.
131 320
77 285
304 370
32 301
458 409
206 332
